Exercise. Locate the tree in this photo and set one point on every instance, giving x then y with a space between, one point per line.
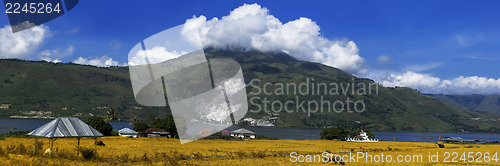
140 126
330 133
134 120
166 124
111 115
358 131
100 125
151 117
355 132
369 134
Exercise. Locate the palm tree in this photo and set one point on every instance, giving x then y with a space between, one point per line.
111 115
134 120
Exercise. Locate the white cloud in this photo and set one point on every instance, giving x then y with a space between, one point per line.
20 44
471 85
411 79
55 55
155 55
104 61
434 85
251 26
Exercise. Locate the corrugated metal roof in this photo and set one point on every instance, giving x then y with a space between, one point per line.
243 131
126 130
66 127
154 130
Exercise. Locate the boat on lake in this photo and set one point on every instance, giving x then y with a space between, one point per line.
362 137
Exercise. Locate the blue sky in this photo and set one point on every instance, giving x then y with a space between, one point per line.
429 39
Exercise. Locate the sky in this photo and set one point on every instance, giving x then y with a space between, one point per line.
447 47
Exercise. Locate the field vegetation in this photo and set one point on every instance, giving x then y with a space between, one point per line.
162 151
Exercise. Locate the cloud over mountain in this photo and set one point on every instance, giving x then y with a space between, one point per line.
434 85
104 61
252 27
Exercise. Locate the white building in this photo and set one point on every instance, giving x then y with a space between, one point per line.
126 132
243 133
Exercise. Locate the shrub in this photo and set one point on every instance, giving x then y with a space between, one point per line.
100 125
15 134
115 133
330 133
38 146
265 137
21 149
88 153
145 157
2 152
140 126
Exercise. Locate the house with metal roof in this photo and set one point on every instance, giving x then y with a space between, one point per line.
243 133
154 133
127 132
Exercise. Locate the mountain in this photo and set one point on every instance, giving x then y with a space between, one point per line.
476 102
397 109
69 89
55 89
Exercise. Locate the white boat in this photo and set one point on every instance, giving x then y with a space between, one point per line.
361 138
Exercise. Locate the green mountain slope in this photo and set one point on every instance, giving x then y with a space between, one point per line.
398 109
71 89
483 103
66 90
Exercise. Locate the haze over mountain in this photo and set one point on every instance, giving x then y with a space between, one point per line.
71 89
483 103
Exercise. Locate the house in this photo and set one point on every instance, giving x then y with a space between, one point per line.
126 132
243 133
154 133
4 106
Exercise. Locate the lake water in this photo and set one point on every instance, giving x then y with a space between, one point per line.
8 124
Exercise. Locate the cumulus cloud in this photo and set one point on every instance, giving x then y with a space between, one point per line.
251 26
55 55
411 79
104 61
155 55
434 85
20 44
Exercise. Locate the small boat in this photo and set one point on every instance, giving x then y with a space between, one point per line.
362 137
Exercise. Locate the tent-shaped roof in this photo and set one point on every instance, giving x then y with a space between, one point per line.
242 131
126 130
66 127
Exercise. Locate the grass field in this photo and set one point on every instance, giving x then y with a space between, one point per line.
161 151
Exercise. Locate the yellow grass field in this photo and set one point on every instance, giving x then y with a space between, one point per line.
162 151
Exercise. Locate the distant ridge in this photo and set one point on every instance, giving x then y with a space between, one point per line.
67 89
476 102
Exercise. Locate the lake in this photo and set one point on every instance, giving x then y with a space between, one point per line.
308 133
8 124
